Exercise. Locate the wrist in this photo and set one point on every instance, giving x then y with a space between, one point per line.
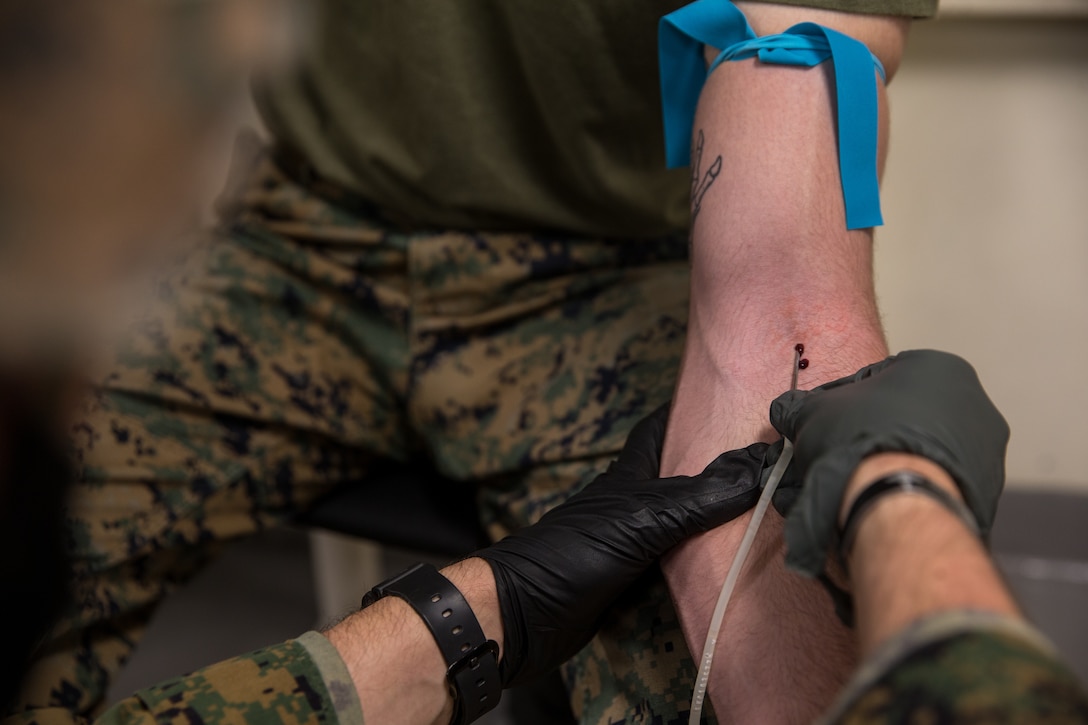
476 581
913 556
878 466
394 659
387 649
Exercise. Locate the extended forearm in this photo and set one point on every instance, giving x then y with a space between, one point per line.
772 261
397 668
913 558
773 265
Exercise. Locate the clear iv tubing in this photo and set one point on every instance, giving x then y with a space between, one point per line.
699 695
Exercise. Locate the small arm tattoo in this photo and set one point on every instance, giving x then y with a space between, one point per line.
700 183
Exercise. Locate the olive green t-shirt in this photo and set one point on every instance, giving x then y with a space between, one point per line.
496 114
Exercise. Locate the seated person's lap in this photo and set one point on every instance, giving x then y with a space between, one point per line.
269 369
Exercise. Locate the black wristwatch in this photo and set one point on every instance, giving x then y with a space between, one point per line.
472 667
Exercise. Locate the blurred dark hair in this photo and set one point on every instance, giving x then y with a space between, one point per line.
35 472
36 35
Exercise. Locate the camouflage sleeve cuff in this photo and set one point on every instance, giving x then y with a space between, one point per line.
335 675
299 681
956 665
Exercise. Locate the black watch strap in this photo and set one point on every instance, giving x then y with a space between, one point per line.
472 668
898 482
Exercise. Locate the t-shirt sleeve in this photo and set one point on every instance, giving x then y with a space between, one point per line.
909 8
302 681
963 667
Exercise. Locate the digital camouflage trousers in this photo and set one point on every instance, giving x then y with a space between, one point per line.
301 341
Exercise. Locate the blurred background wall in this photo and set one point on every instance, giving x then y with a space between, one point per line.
985 248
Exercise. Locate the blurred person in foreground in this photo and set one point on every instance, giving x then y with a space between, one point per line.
462 243
111 127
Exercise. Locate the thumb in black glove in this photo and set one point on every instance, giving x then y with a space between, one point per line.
922 402
557 579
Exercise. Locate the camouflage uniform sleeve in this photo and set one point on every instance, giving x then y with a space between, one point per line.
963 667
300 681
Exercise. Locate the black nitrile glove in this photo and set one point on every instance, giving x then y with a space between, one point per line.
557 579
923 402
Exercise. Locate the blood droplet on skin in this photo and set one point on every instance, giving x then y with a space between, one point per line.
800 350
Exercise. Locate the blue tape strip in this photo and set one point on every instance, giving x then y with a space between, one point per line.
720 24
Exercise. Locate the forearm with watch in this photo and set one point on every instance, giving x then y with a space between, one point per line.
910 555
399 671
432 647
896 474
940 634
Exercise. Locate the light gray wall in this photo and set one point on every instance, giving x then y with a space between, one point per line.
985 248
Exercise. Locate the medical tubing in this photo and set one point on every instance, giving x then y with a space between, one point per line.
699 695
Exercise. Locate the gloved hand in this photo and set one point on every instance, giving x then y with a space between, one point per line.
557 579
922 402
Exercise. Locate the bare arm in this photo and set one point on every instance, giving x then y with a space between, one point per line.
913 558
772 266
541 592
392 657
920 577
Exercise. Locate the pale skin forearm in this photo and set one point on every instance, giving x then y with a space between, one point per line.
772 266
913 558
393 659
772 261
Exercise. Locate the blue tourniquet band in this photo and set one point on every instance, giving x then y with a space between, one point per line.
682 36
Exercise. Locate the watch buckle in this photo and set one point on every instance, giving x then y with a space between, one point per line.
471 659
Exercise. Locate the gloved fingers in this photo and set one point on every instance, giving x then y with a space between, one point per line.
784 412
758 451
939 365
770 457
813 519
866 372
785 498
786 409
640 458
742 466
809 528
921 402
789 485
726 489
